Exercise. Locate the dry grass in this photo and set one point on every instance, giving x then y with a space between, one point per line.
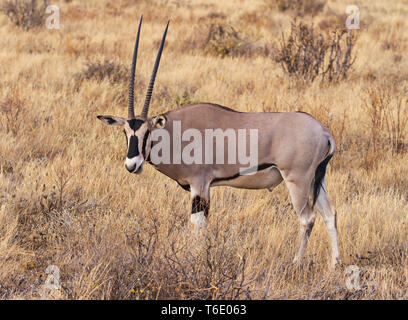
222 40
299 7
66 200
308 55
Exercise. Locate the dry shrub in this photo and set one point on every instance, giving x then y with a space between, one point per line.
206 267
308 55
173 264
25 14
300 7
41 217
340 55
99 71
396 124
223 40
387 111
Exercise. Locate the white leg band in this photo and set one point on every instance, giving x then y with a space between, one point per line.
198 219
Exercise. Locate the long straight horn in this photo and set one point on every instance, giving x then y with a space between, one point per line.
153 77
131 102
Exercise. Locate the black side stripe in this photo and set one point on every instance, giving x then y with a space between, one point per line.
256 169
184 186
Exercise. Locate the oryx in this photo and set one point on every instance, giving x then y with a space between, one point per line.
292 146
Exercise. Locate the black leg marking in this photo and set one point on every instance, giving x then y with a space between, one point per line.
200 204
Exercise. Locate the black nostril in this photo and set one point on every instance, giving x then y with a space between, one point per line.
131 169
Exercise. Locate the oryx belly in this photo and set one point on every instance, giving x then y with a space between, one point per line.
263 179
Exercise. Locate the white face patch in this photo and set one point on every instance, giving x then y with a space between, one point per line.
133 164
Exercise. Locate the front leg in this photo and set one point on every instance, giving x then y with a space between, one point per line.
200 197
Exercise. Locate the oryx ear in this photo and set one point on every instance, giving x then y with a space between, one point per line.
159 121
112 120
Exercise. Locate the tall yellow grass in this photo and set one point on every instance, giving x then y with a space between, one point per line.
66 199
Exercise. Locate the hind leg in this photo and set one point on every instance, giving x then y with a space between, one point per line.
299 190
329 215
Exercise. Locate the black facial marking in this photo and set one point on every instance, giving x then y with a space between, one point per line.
144 143
126 137
135 124
133 150
200 204
148 157
260 168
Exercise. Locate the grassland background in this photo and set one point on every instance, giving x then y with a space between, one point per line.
66 199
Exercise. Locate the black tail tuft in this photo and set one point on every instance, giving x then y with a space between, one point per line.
319 175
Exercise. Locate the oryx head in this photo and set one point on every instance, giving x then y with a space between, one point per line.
137 128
